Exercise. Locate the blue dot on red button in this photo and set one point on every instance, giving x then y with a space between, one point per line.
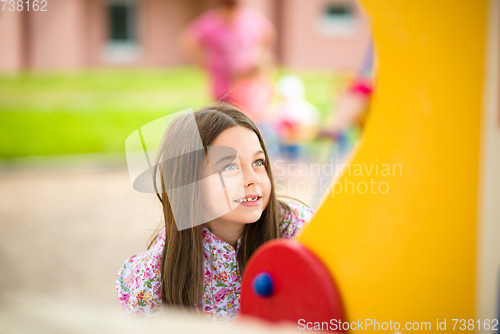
263 285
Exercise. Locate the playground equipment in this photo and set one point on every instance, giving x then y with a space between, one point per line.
419 248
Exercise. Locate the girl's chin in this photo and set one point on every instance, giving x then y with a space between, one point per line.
248 217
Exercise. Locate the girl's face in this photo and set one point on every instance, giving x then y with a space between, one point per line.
249 168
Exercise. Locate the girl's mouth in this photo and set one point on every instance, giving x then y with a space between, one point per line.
249 200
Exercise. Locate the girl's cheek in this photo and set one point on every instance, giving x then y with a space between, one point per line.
234 188
218 195
265 182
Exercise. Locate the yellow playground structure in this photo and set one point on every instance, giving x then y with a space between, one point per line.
410 231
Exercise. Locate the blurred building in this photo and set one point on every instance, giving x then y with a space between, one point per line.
76 34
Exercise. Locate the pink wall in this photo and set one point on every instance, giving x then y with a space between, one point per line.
158 23
95 29
11 54
163 20
305 46
57 36
72 34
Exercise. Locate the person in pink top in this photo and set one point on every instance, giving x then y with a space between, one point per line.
232 42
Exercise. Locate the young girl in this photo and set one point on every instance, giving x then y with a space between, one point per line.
200 267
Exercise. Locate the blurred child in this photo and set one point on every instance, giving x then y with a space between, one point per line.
297 119
231 42
352 106
350 112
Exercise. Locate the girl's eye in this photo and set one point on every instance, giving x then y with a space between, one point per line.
259 163
231 166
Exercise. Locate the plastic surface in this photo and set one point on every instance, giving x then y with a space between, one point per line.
302 286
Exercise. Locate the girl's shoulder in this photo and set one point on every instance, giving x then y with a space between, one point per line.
138 282
294 215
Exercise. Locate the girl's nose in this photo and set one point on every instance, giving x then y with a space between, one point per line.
251 178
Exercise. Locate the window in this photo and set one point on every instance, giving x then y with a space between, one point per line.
122 22
122 31
338 19
338 12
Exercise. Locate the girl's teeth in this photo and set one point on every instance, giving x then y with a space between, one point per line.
253 199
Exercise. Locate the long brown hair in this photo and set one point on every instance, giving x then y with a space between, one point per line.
182 264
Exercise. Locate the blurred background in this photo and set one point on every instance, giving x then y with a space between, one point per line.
79 77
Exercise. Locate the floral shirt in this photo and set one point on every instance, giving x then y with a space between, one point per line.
138 282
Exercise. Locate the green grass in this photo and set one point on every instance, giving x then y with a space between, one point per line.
95 111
